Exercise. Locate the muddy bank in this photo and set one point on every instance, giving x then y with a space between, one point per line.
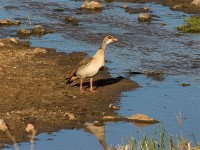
177 5
33 90
183 5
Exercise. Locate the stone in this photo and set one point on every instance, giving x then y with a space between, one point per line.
144 17
3 126
196 2
40 50
9 22
93 5
30 127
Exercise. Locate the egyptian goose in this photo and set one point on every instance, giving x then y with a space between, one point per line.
88 67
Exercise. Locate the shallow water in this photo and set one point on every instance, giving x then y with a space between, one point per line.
142 46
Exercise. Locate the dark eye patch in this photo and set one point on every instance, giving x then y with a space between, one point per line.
109 37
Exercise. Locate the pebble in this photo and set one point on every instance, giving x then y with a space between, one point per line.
144 17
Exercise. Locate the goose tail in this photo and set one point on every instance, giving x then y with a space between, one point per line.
72 77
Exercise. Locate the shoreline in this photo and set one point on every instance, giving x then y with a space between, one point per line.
33 90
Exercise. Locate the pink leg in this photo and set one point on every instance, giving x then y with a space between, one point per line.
81 85
91 87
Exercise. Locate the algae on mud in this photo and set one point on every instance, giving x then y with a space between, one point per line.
192 25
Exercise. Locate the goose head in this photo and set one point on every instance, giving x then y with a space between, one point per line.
109 39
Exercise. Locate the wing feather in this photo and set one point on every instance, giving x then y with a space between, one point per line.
72 74
84 62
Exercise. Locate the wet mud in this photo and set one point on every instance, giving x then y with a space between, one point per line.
33 90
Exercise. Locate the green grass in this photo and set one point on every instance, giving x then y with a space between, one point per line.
192 25
162 142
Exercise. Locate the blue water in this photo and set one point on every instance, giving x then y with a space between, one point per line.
141 46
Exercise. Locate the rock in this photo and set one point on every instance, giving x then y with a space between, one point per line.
136 11
155 75
177 6
111 118
30 127
196 2
72 20
59 10
111 106
9 22
12 41
24 32
141 120
10 7
145 8
185 84
140 117
144 17
93 5
39 50
3 126
37 30
71 116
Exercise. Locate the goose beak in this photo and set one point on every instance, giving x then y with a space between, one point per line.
114 40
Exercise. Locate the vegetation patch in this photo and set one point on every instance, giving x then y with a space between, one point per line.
160 140
192 25
36 30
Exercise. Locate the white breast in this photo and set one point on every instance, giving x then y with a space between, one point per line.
90 69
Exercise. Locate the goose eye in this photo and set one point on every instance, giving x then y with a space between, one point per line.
109 37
